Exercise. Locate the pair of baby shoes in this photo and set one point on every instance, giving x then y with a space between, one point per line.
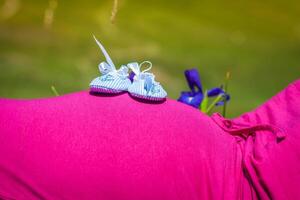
113 81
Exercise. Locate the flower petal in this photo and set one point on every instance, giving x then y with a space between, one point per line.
214 92
190 98
193 78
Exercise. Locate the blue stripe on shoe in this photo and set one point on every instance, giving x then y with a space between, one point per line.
137 88
116 84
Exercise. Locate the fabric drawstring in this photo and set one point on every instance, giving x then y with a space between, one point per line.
256 146
245 129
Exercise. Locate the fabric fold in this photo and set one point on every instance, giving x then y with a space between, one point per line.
269 140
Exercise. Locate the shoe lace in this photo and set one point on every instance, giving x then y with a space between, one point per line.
150 84
108 68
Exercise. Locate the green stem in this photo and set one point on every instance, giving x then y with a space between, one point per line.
203 106
224 109
212 105
226 91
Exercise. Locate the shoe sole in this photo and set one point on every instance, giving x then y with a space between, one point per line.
112 91
147 97
105 90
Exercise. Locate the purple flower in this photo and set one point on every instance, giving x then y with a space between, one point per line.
195 96
191 98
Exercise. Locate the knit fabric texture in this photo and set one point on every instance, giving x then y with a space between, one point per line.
84 146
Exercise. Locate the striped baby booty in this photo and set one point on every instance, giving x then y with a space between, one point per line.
144 85
112 80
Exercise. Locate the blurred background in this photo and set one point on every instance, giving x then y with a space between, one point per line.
44 43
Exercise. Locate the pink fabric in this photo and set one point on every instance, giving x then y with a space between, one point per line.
81 146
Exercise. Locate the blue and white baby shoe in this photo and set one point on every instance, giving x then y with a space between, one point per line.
112 80
144 85
115 81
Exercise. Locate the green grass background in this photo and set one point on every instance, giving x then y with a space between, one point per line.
257 41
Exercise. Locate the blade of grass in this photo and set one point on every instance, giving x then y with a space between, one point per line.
114 12
54 91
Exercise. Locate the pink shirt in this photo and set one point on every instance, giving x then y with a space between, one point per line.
80 146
